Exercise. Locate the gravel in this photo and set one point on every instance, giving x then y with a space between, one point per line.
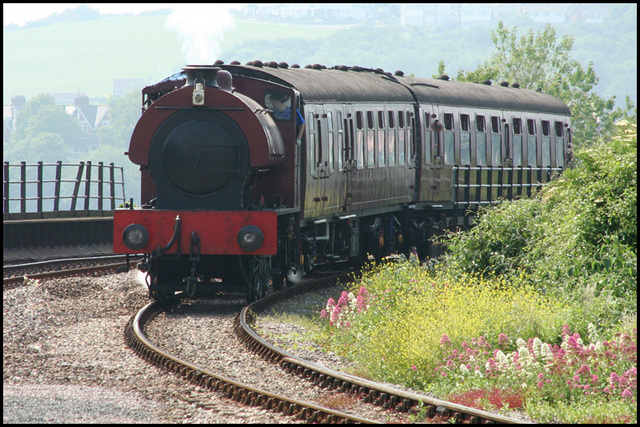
66 361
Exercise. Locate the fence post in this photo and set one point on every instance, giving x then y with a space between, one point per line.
5 192
87 186
23 187
76 187
113 186
100 183
39 184
56 195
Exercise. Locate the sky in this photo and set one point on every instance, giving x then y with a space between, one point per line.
198 42
21 13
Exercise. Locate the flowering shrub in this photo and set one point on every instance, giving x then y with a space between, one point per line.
566 374
413 326
339 314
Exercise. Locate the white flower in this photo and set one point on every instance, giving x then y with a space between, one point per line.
537 346
520 343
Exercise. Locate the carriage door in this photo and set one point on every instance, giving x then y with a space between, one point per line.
347 153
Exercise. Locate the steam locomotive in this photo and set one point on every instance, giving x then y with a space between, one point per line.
254 174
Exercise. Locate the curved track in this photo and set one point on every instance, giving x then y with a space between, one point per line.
137 340
369 391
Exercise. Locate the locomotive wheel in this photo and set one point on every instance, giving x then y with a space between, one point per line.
258 277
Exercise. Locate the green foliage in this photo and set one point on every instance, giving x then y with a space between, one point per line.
577 239
539 60
49 148
43 129
124 113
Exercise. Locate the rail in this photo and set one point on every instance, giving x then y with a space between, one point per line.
59 190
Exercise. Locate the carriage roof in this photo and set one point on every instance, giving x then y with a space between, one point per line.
356 84
366 85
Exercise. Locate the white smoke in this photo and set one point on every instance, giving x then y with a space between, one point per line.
200 28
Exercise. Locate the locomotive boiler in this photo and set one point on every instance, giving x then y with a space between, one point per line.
252 174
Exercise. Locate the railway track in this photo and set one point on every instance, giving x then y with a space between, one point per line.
16 274
369 392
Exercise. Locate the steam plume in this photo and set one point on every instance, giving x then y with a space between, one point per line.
200 28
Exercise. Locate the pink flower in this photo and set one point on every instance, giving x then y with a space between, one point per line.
540 384
626 393
584 369
540 376
614 378
445 340
414 368
565 330
323 314
503 340
594 379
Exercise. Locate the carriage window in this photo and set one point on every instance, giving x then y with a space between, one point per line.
495 124
496 142
559 132
370 119
465 140
532 149
370 148
559 153
391 121
400 119
331 147
448 121
359 119
319 156
517 126
381 139
481 141
464 122
545 128
517 142
449 139
427 119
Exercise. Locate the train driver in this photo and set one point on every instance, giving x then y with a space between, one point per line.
282 111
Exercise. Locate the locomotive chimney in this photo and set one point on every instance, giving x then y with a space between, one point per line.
201 74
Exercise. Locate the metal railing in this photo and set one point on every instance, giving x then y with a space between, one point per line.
56 188
475 186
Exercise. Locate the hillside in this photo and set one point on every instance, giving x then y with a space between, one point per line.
87 56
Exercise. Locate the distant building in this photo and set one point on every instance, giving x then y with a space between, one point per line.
9 115
89 117
548 13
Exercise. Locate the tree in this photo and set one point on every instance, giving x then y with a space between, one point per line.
47 147
124 112
540 61
41 115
